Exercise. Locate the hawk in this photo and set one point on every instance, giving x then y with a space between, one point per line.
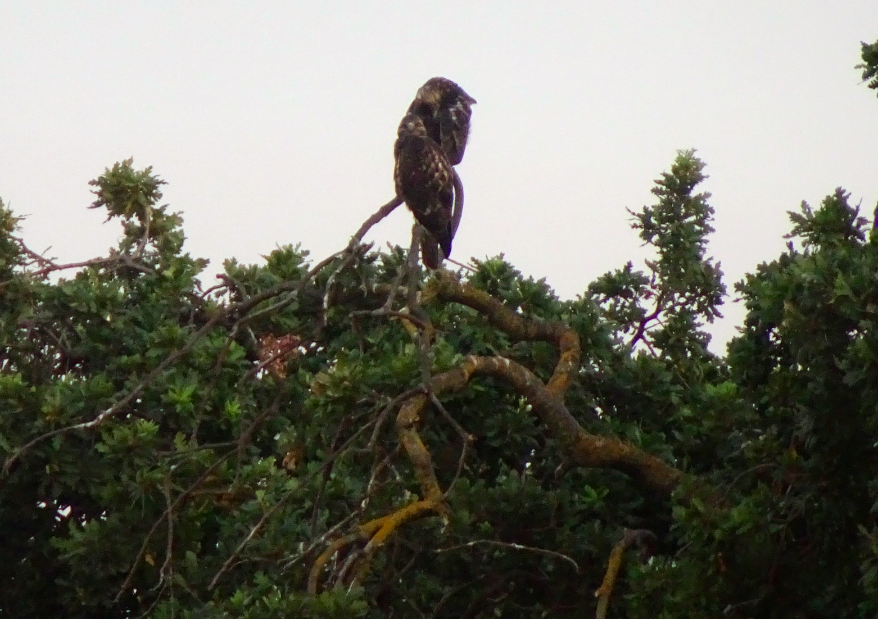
445 109
424 179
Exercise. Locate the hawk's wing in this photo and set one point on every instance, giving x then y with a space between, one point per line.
425 181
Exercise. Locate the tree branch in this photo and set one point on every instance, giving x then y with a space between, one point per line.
447 287
614 563
582 448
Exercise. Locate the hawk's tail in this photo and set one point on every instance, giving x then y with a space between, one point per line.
431 256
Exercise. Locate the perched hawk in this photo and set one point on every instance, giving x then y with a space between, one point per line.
424 179
445 109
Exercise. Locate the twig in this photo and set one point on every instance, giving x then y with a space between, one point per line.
466 439
245 436
421 324
353 245
241 309
513 546
461 265
271 511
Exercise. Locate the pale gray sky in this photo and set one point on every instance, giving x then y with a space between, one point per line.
273 122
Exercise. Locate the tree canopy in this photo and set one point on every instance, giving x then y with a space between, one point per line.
353 437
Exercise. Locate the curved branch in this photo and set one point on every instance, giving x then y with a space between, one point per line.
447 287
406 422
582 448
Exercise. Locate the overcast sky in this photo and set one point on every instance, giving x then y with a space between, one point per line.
274 122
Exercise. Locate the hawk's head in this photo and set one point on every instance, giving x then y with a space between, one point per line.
412 125
441 92
445 109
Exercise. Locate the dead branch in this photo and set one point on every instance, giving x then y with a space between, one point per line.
380 214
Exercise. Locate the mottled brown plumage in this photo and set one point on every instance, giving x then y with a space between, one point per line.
425 181
445 110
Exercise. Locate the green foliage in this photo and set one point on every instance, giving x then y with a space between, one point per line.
870 64
666 308
142 511
791 533
179 452
126 192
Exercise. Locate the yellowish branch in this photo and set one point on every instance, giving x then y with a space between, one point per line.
447 287
613 565
376 531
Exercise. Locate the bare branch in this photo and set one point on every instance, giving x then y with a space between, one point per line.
491 542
